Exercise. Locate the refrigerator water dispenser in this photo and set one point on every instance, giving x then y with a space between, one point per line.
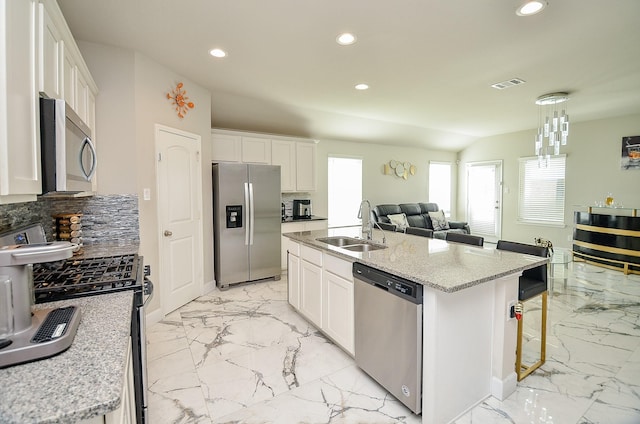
234 216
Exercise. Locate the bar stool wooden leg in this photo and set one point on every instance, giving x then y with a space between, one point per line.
523 370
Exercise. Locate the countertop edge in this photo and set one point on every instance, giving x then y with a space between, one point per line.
523 261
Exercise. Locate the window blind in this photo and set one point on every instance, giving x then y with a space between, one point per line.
542 190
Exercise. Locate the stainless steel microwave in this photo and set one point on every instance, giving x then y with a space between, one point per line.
68 154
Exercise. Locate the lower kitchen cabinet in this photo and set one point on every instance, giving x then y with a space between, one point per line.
320 287
337 302
311 284
293 227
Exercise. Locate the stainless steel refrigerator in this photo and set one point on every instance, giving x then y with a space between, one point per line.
246 222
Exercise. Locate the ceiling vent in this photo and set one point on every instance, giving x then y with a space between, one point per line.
508 83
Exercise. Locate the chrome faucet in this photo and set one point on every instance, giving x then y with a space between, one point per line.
365 216
367 223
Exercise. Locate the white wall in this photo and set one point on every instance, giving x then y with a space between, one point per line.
593 169
131 101
377 187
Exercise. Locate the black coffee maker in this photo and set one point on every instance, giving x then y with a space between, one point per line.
302 209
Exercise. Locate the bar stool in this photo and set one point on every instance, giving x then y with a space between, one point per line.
465 238
532 283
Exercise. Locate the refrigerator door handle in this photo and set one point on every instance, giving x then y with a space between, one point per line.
247 204
251 214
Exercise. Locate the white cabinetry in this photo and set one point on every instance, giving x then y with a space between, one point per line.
283 153
297 160
256 150
294 227
296 157
225 148
320 287
63 72
293 272
19 107
337 301
311 284
305 167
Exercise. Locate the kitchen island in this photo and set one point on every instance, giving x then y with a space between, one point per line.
469 339
85 381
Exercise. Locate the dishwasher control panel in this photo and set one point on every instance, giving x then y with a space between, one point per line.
398 286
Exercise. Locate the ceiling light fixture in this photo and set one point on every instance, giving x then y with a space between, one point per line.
217 53
362 86
531 7
554 127
346 39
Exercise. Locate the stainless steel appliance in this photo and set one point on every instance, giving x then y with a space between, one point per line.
388 332
91 276
30 234
246 220
26 335
301 209
68 154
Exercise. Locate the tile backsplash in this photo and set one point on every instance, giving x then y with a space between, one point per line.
105 219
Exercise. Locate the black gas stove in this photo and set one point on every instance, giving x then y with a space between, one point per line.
73 278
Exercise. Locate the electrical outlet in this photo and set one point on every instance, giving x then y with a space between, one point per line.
146 194
511 310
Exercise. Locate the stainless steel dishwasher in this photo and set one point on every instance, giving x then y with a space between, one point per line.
388 332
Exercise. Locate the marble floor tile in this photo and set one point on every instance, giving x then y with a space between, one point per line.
244 356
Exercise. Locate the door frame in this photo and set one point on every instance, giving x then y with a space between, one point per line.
498 192
159 214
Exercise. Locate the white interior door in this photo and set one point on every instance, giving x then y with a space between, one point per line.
484 199
179 216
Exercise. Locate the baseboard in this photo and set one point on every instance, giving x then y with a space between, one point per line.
502 389
153 317
208 287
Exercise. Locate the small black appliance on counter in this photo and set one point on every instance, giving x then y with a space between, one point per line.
302 209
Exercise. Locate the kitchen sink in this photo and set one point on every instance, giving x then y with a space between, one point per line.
350 243
363 247
340 241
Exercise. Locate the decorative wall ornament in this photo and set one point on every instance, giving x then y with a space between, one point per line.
630 152
179 98
399 169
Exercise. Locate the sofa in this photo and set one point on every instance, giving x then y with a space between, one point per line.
417 215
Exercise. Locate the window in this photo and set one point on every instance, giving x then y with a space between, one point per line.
541 192
440 185
345 191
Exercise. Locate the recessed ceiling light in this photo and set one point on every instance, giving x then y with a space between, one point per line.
531 7
346 39
217 53
362 86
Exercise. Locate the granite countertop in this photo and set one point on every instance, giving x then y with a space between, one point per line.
448 267
82 382
313 218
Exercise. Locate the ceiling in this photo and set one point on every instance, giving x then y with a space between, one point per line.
429 63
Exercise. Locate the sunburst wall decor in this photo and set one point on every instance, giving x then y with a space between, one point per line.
179 98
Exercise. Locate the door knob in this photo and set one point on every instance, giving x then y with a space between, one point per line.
167 233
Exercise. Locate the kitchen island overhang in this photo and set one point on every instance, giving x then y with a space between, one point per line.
469 339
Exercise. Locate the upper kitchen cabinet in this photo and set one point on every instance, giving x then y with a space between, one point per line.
63 72
283 153
296 157
256 150
19 105
305 166
225 147
297 160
